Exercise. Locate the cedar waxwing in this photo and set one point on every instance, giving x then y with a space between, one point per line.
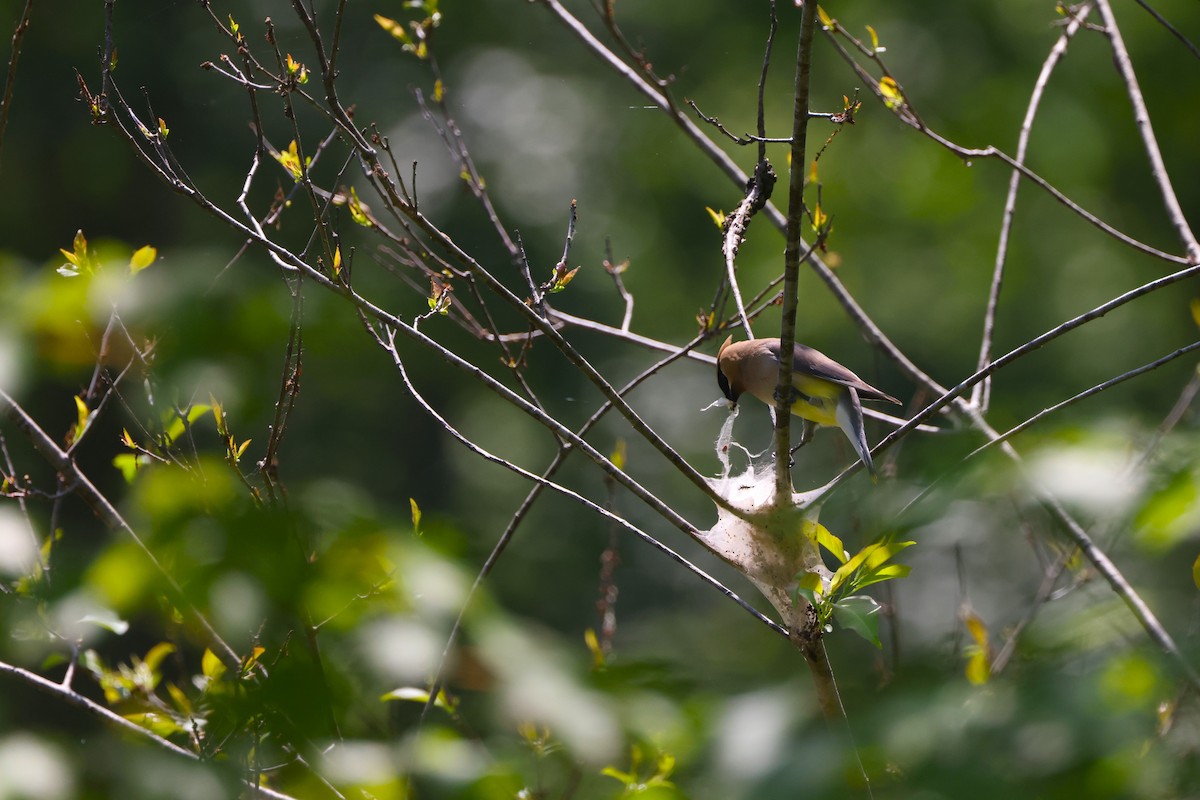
826 392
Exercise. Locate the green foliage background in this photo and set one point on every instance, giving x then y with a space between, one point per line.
1081 711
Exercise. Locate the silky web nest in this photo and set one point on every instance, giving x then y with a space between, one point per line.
773 544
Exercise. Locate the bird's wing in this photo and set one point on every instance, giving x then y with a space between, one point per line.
808 361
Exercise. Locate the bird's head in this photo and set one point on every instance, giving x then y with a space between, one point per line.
723 379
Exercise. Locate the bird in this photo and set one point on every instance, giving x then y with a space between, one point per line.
826 393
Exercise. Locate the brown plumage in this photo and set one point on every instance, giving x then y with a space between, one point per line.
826 392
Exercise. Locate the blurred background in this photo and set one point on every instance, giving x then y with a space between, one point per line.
694 690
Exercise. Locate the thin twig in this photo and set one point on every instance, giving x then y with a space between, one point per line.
981 394
71 697
10 81
1158 169
66 467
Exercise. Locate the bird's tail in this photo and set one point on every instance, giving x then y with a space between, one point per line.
850 420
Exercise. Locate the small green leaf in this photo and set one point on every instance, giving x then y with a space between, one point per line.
175 426
819 534
893 98
127 464
142 258
412 694
159 724
396 29
82 414
859 613
290 159
155 657
211 666
874 38
562 277
619 454
416 516
718 217
593 645
358 211
107 620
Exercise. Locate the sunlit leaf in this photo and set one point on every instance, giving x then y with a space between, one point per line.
159 724
142 258
819 534
175 426
163 130
296 69
819 218
211 666
358 212
155 657
592 642
874 40
619 453
893 98
562 277
290 159
979 667
107 620
826 20
252 659
718 217
413 694
182 703
416 516
82 414
396 29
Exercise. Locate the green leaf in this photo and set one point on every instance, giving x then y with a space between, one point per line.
142 258
175 426
619 454
562 277
874 39
416 516
211 666
819 534
290 159
860 614
412 694
979 667
159 724
82 416
107 620
893 98
358 211
155 657
127 464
